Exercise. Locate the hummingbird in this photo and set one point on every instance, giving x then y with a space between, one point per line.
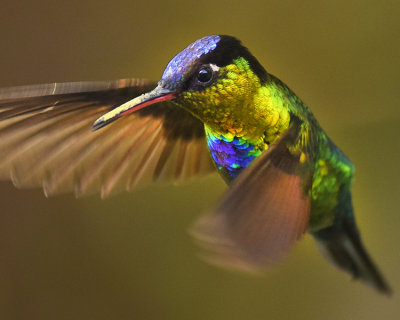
215 109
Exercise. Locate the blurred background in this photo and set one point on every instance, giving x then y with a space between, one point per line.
130 257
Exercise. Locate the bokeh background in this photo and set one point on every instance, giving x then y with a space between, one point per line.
130 257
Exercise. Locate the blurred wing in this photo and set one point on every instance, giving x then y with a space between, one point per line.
46 139
264 212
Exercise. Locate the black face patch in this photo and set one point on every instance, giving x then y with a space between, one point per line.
229 49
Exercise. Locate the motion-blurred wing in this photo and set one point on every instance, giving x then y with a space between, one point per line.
264 212
46 139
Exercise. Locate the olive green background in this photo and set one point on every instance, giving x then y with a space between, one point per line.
130 257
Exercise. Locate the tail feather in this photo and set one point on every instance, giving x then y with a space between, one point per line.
341 244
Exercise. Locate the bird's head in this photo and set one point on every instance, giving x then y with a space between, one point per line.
214 78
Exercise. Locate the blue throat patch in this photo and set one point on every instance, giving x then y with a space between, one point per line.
231 154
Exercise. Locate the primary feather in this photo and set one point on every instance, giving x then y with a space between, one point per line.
46 139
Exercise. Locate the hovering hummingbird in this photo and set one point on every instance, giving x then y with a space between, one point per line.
214 109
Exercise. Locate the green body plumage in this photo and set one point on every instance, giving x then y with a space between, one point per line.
285 175
246 112
259 117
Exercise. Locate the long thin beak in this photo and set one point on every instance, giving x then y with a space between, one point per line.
156 95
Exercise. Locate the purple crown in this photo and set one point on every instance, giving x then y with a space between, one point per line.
181 63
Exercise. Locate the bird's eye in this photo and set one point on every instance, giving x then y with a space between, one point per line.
205 75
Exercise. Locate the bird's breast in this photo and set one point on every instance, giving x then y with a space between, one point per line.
231 154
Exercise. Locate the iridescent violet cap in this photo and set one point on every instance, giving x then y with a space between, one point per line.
178 67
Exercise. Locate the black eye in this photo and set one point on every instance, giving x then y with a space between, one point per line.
205 75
